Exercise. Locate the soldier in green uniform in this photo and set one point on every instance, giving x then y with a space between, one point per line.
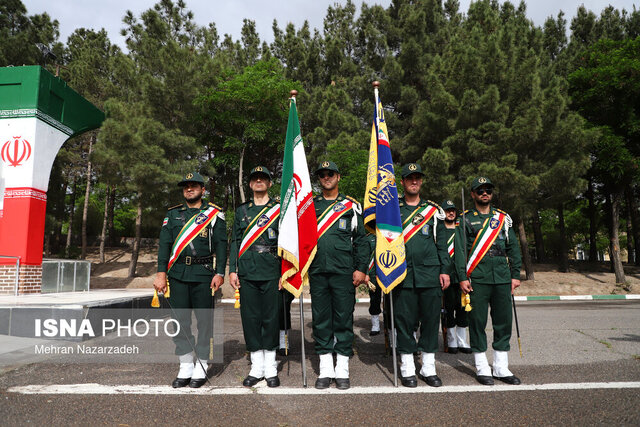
338 267
191 273
496 263
419 297
254 269
456 320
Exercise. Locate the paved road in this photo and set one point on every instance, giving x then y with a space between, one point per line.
581 365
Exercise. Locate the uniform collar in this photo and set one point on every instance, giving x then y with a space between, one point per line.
337 199
203 206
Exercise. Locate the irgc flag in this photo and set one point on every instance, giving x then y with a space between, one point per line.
381 208
298 230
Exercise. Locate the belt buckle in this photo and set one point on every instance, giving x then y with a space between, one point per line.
187 260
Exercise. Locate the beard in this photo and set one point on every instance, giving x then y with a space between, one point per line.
449 221
193 199
482 202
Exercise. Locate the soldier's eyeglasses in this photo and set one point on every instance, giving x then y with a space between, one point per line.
481 191
326 174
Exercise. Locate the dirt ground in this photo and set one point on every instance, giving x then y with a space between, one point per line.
582 279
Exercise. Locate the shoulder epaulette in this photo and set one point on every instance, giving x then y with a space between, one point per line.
434 204
501 211
174 207
215 206
352 199
318 197
467 211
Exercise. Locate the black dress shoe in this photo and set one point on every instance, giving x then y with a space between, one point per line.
374 333
322 383
484 379
513 380
411 381
452 350
197 383
432 380
180 382
250 381
273 381
465 350
342 383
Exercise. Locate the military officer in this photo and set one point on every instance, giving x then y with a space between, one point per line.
489 270
456 320
419 297
254 269
338 267
186 259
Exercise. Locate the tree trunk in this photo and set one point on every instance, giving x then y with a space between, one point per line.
103 235
87 193
593 226
615 238
635 223
240 187
136 242
524 247
537 235
629 236
563 261
70 229
112 230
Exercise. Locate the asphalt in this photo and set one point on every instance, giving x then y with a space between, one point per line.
565 345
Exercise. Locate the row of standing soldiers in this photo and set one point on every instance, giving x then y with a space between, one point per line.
437 265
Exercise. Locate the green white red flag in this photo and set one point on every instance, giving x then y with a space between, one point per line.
298 231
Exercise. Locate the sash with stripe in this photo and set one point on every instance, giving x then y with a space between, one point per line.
331 215
191 229
450 248
485 238
260 223
410 229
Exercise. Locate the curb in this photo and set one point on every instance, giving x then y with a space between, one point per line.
518 298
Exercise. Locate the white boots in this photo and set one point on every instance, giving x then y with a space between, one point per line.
500 371
457 340
328 372
263 365
193 376
428 365
407 365
375 325
326 366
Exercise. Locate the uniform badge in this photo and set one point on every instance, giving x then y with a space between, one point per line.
272 233
342 224
262 220
494 223
325 164
425 230
203 233
339 207
165 221
482 180
200 219
413 167
417 219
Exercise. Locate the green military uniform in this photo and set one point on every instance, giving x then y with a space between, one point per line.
490 280
259 271
418 298
191 274
342 249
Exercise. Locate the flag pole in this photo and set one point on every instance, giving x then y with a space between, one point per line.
376 85
293 94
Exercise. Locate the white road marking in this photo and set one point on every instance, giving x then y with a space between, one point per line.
261 388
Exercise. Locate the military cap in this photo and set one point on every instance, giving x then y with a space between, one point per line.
191 177
448 204
481 180
327 165
410 168
260 169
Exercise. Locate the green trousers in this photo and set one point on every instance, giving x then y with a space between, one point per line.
413 305
333 298
259 312
499 298
186 297
284 309
454 311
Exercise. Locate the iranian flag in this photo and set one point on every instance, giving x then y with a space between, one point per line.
298 232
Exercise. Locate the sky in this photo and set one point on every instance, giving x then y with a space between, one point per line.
228 15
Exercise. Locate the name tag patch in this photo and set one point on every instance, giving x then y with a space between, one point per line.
271 233
342 224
